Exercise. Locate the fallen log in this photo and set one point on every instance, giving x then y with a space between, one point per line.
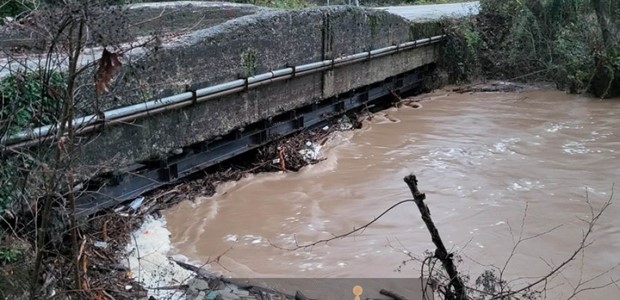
391 294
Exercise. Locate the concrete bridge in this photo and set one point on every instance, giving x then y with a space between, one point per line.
228 88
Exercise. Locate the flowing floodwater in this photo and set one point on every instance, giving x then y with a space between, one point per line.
481 158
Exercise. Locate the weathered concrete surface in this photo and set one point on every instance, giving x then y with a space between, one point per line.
23 44
250 45
423 13
126 22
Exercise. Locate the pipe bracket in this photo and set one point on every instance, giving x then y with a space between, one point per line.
193 91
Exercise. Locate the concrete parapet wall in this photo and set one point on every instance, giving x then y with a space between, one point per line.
254 44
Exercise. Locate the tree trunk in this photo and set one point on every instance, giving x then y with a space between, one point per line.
606 80
603 22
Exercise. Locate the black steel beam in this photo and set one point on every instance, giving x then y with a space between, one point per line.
128 185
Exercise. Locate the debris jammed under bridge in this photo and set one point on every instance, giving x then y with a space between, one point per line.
289 154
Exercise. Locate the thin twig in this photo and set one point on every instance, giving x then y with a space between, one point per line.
340 236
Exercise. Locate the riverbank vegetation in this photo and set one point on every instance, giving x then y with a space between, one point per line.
573 43
46 251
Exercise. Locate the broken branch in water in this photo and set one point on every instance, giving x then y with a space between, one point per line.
214 280
441 252
300 296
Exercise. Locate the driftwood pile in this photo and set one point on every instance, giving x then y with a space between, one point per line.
287 155
105 277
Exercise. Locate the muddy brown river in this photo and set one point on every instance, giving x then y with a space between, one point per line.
481 158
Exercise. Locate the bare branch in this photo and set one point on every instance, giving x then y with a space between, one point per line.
584 243
340 236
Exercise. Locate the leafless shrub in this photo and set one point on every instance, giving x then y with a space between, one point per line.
38 182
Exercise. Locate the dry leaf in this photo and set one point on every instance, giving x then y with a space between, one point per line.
109 64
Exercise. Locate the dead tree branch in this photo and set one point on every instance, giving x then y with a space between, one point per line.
583 244
441 252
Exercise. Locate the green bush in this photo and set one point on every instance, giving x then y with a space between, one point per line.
550 40
27 100
14 8
30 99
9 255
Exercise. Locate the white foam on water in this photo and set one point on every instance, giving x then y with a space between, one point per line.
575 148
212 212
147 258
250 239
310 266
555 127
231 238
526 185
505 146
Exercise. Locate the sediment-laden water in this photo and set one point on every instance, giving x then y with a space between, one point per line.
481 158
